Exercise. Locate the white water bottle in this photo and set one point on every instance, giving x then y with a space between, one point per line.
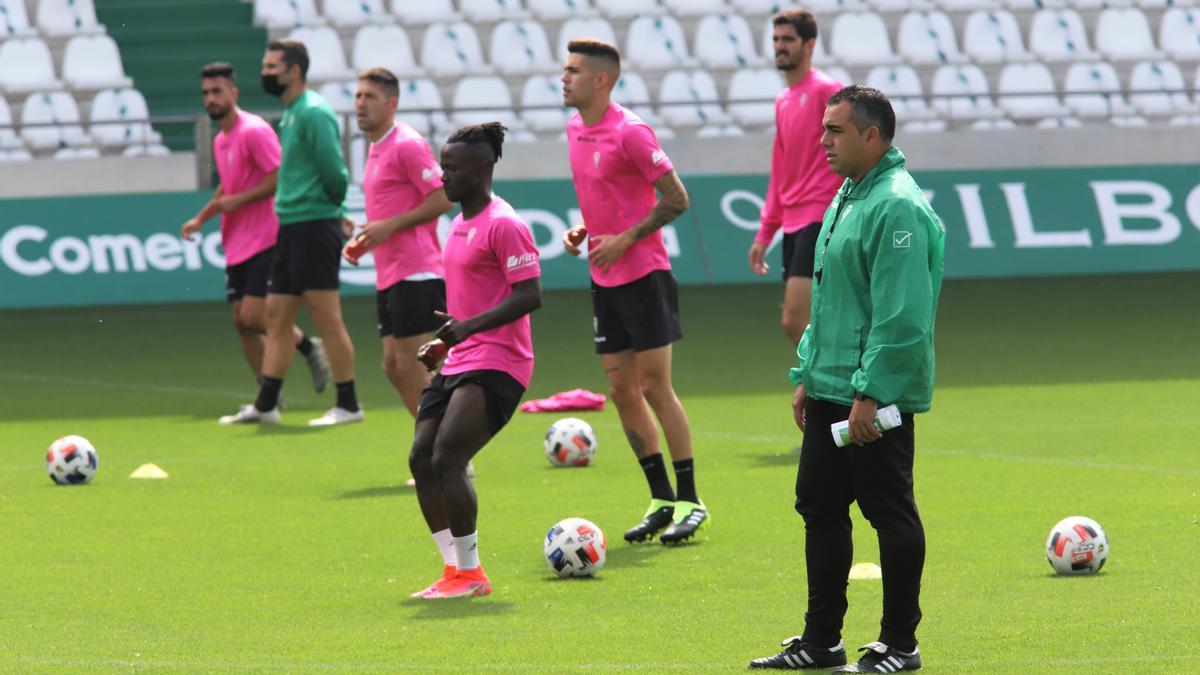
885 418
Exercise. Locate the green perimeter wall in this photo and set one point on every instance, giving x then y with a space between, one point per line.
126 249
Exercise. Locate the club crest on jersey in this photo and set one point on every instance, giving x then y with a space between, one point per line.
596 159
658 157
427 174
470 235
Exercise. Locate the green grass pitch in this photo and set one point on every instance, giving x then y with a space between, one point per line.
294 550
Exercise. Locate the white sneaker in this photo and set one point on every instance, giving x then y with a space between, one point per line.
248 414
412 482
337 415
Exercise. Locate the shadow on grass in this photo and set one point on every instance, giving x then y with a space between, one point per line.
380 491
621 555
456 608
785 458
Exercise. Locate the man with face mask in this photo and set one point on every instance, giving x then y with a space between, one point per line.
246 153
308 200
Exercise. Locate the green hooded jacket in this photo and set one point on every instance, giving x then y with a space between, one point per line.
875 293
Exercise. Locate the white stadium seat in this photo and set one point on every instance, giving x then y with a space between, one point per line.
425 11
60 18
927 38
119 117
1130 121
93 62
758 87
491 11
452 49
961 92
627 9
1092 5
355 12
840 74
827 7
725 41
1094 90
994 37
147 150
720 131
51 120
284 14
924 126
894 6
762 7
861 38
1158 89
656 42
19 155
1059 123
1165 4
26 65
326 59
695 7
521 47
76 153
903 87
14 21
1027 92
387 46
1124 35
1179 34
631 91
340 96
993 123
1031 5
689 99
1058 35
544 93
9 140
490 98
559 10
421 106
577 27
969 5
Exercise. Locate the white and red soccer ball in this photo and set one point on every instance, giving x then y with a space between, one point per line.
1077 545
570 442
575 548
72 460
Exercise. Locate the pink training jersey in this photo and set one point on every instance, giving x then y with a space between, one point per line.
802 184
484 257
614 164
244 156
399 175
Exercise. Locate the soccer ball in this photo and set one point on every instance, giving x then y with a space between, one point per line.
1077 545
575 548
71 460
570 442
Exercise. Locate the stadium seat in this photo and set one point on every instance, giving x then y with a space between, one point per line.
993 123
1031 5
489 99
924 126
1059 123
1094 90
927 38
861 38
119 117
1184 121
559 10
1158 89
19 155
327 60
631 91
520 47
452 49
1085 5
76 153
1058 35
695 7
425 11
61 18
903 87
491 11
831 7
894 6
993 36
758 87
763 7
961 92
1179 34
968 6
720 131
840 74
1165 4
93 62
14 21
690 99
286 14
543 93
146 150
387 46
627 9
1026 92
421 106
725 41
1124 35
25 66
577 27
340 95
9 140
1127 121
656 42
355 12
51 120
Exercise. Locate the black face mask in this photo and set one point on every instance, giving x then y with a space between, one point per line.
270 84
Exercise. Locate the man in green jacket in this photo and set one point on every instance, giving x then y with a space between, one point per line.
308 200
869 344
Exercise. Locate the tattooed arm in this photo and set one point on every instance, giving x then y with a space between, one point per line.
672 202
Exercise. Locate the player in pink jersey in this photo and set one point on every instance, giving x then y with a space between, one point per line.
802 185
493 282
617 166
247 154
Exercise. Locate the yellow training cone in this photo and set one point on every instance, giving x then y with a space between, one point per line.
148 471
866 570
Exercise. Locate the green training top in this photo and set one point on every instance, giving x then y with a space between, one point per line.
313 176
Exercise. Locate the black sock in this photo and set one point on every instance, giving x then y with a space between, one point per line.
685 482
268 393
346 398
656 476
304 346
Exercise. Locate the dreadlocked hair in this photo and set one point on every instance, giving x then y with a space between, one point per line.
491 133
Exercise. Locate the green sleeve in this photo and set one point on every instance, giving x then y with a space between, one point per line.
901 301
327 154
802 351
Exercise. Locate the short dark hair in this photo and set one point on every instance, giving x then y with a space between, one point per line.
382 78
491 133
219 69
869 107
801 19
294 53
595 48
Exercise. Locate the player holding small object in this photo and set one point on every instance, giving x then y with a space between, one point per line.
246 152
617 165
493 282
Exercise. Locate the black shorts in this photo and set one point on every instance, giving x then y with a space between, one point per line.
249 277
501 390
406 307
640 315
799 250
307 257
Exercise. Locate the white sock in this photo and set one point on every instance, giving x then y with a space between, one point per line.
468 551
445 544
